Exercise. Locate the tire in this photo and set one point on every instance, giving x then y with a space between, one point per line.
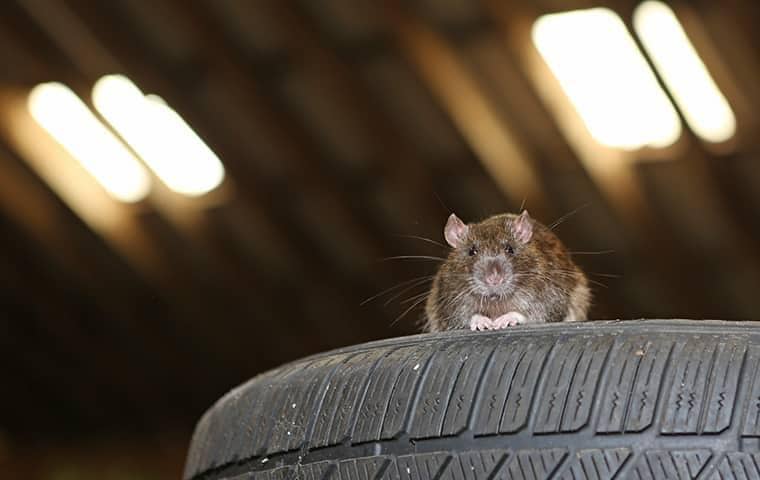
637 399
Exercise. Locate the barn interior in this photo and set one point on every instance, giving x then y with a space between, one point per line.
332 139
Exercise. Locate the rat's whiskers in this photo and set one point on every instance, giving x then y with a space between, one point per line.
415 304
564 217
424 239
414 285
415 297
592 252
403 284
414 257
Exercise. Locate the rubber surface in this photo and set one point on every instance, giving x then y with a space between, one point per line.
598 400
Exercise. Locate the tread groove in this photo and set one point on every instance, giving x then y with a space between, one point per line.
665 382
387 403
509 390
443 468
635 379
500 465
360 399
318 407
736 418
707 392
450 397
539 387
417 393
381 471
562 412
478 398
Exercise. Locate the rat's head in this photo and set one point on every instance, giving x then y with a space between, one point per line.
492 252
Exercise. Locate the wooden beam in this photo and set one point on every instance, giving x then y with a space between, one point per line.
403 167
121 226
488 133
348 249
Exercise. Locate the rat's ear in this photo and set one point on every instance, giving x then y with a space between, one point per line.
522 227
455 231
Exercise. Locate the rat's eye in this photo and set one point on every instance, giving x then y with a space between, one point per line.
472 251
509 249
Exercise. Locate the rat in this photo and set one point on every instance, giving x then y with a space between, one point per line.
503 271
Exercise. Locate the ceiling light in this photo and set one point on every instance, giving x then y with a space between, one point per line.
704 107
67 119
159 135
606 78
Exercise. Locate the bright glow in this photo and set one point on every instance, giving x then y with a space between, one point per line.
62 114
159 136
606 78
703 105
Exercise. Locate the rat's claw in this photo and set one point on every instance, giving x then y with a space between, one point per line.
508 320
480 322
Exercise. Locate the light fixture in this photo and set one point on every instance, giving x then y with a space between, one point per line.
703 105
66 118
606 78
159 135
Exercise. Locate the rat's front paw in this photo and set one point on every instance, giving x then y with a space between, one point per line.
480 323
508 320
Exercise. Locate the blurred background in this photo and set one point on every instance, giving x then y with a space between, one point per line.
194 191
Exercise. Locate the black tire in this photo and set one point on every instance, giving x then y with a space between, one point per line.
637 399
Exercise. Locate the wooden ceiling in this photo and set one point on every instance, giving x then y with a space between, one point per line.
348 129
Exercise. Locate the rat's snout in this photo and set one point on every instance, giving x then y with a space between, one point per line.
492 274
495 272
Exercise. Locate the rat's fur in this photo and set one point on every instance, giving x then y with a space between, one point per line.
542 282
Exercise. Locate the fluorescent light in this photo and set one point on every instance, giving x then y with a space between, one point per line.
159 135
703 105
606 78
62 114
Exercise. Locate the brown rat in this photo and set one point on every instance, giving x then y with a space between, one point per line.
506 270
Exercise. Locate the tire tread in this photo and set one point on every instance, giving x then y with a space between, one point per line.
666 400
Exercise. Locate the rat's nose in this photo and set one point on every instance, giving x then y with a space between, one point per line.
494 274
